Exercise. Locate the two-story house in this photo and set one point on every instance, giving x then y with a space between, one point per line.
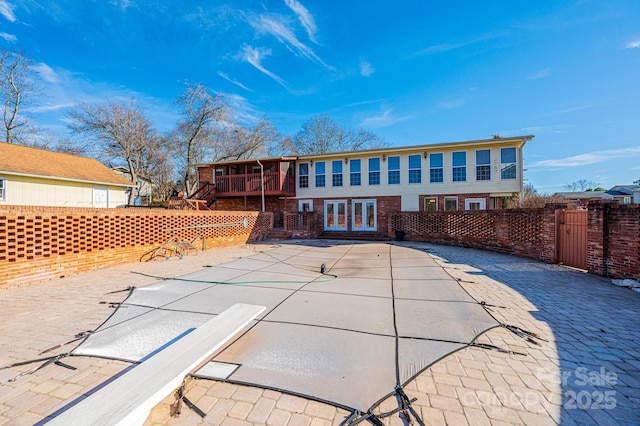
356 191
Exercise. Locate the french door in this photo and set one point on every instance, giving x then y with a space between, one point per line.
364 215
335 215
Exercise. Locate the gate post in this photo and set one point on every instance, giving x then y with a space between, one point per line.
597 239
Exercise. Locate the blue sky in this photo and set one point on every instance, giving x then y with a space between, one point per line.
414 72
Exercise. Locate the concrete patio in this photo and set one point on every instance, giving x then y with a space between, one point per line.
586 372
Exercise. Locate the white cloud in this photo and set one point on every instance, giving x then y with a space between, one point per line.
589 158
545 72
365 68
254 56
46 72
452 103
9 37
276 27
306 19
632 44
385 119
536 130
6 10
121 4
232 81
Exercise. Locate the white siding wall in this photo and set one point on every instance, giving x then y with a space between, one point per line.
29 191
410 192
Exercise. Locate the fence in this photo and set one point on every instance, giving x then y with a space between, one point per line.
42 242
612 243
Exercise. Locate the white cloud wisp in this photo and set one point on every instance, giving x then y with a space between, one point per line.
305 17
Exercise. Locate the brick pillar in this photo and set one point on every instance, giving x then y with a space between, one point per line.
596 239
550 232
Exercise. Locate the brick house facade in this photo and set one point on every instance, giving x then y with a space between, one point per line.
357 191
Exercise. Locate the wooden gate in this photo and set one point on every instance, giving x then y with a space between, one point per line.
572 238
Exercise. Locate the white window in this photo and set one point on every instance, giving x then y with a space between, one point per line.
374 171
393 170
321 176
415 168
3 189
483 164
459 160
305 205
431 204
508 163
475 204
436 168
336 173
450 203
355 178
303 175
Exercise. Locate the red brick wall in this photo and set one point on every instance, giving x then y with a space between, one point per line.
523 232
43 242
271 204
613 240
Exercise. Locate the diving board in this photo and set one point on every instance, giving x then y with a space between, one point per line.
129 399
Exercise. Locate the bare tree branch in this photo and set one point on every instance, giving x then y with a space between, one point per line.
321 135
203 116
121 131
17 84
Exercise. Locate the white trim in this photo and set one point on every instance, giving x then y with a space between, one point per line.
3 189
364 226
97 199
307 201
427 199
450 198
334 226
66 179
481 201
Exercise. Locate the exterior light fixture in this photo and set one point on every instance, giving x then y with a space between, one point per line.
384 157
425 155
311 163
346 160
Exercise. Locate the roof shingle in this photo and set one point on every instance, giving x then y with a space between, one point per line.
24 160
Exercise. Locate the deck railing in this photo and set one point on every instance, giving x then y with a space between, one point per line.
249 184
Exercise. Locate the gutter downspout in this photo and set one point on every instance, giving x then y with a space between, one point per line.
261 182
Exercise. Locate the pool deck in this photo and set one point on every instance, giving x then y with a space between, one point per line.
586 372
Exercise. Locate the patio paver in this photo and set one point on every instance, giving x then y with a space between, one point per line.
586 372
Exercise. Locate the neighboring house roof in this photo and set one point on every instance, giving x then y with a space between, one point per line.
583 195
35 162
623 189
123 171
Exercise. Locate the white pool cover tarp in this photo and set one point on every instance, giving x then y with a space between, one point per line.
378 316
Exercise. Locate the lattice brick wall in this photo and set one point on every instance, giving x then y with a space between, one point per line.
38 242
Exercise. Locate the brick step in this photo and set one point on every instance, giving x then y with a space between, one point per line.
279 234
353 235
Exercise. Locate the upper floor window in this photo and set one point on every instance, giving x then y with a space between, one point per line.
415 168
508 163
336 170
436 168
355 178
374 171
321 174
459 162
393 170
483 164
3 189
303 175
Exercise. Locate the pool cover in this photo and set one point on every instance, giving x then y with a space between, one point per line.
352 336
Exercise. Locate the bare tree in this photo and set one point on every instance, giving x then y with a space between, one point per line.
121 131
237 143
531 199
17 84
581 185
322 134
202 118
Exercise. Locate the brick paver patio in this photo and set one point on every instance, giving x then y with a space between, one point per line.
586 372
